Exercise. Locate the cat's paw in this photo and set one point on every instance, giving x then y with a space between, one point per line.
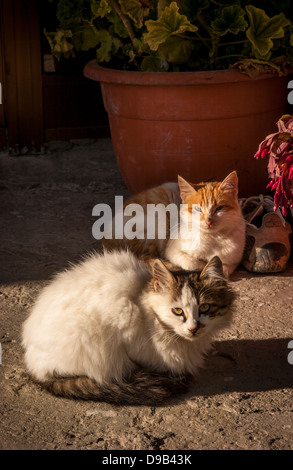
192 264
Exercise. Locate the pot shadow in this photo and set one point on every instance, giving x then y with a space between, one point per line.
245 366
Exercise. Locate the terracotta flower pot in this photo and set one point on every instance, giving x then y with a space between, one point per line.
201 125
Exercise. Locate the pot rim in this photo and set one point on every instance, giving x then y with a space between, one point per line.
94 71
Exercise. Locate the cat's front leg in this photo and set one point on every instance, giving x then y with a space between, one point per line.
187 262
228 269
181 257
193 264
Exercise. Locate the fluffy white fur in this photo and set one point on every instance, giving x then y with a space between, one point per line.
97 320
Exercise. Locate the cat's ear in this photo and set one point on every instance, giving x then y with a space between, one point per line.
185 188
214 268
230 184
163 279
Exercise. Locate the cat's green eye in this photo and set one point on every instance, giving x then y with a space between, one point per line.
177 311
204 308
196 207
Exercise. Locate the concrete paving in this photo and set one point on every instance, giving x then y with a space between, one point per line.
243 399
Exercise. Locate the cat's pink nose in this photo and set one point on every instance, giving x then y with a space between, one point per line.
209 221
193 330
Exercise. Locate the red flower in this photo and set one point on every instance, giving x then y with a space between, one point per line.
279 148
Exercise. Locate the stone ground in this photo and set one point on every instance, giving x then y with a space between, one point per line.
243 399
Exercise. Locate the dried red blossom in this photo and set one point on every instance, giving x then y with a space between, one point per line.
279 148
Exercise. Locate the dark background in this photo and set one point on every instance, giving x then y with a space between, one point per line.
42 99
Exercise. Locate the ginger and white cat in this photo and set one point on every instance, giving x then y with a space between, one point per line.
220 230
112 329
221 225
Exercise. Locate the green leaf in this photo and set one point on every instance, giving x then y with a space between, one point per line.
100 8
154 64
74 9
109 45
176 50
105 49
117 26
59 43
231 20
170 23
140 46
264 29
67 9
86 38
192 9
134 10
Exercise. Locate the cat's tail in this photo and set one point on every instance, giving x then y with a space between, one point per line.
143 388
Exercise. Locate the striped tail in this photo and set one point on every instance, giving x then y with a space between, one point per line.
143 389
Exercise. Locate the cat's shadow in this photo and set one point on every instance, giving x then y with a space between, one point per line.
245 366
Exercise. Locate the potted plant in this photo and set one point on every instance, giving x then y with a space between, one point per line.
190 87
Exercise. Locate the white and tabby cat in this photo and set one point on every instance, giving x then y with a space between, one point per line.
112 329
